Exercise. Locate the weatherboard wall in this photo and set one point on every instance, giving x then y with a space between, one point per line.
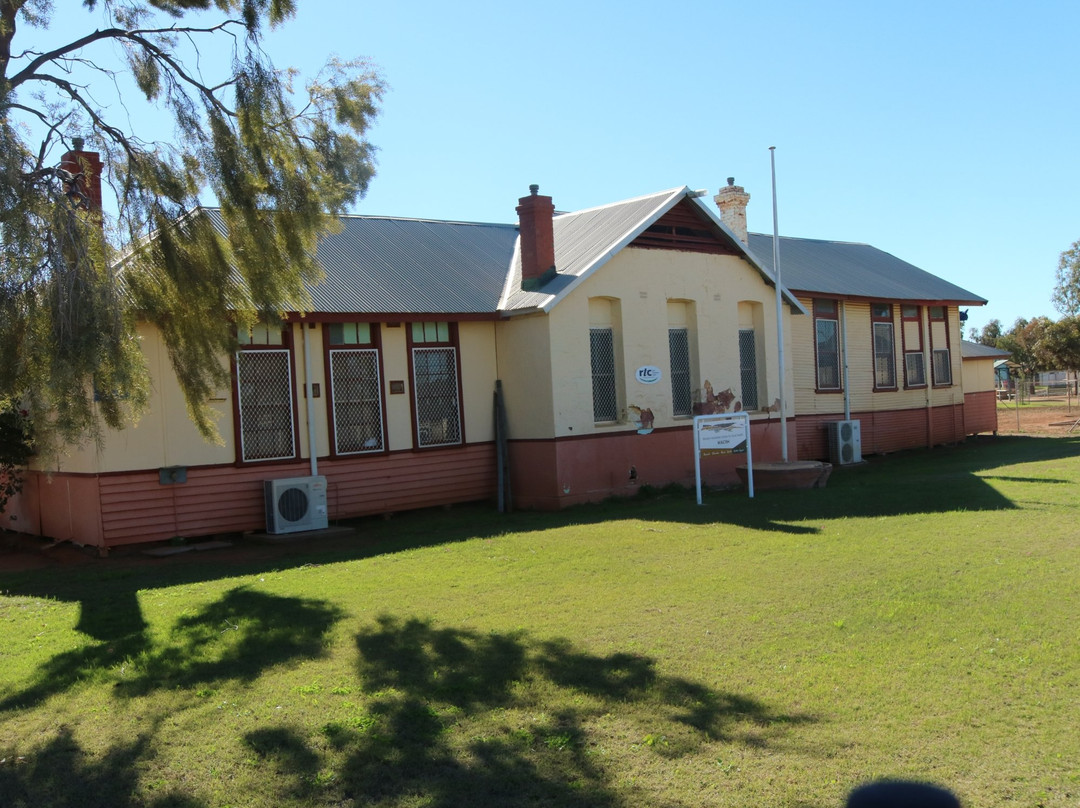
134 507
114 493
863 395
891 419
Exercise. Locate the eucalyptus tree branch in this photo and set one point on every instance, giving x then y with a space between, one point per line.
178 69
116 135
57 54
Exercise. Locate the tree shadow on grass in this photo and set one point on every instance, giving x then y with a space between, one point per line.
921 481
236 637
943 479
455 717
61 774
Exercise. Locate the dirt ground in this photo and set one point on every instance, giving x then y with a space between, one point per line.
1037 419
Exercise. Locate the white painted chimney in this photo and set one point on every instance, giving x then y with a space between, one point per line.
732 200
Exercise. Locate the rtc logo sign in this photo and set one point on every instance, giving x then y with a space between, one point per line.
648 374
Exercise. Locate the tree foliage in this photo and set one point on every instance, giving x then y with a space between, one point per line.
989 334
15 450
1061 344
74 280
1066 296
1025 342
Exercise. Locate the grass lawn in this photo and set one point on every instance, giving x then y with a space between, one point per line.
917 618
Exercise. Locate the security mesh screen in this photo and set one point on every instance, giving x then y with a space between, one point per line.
604 398
942 368
679 350
915 369
884 356
358 422
748 368
264 388
435 385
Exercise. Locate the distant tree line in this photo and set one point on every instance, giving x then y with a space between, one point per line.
1041 343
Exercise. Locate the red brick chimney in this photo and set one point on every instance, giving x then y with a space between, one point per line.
85 189
535 214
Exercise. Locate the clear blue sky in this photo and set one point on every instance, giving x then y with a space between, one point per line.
942 132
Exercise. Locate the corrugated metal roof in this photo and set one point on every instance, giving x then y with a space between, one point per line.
413 266
976 350
387 265
585 240
379 264
854 270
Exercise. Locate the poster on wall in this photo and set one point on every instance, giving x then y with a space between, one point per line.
721 435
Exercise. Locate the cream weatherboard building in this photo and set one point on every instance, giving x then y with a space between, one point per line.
606 331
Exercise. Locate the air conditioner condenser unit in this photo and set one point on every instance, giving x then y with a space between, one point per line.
294 504
845 442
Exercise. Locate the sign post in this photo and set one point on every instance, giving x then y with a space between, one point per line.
723 434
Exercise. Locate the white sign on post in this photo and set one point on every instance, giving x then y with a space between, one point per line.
723 434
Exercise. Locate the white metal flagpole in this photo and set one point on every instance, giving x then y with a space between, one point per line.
779 309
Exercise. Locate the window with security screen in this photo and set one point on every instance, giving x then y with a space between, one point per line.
748 372
357 403
264 396
827 344
682 402
356 407
751 321
942 367
436 388
915 369
604 391
884 346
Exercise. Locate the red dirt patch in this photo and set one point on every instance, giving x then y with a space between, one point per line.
1052 419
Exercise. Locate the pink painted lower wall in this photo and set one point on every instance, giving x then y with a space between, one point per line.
58 506
883 432
128 508
554 474
980 412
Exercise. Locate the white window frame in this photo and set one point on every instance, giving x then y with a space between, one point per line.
914 369
338 406
819 320
940 358
884 359
944 377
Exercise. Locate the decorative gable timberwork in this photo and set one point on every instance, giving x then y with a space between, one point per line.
685 228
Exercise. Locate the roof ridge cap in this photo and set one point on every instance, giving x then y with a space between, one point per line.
655 195
821 240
